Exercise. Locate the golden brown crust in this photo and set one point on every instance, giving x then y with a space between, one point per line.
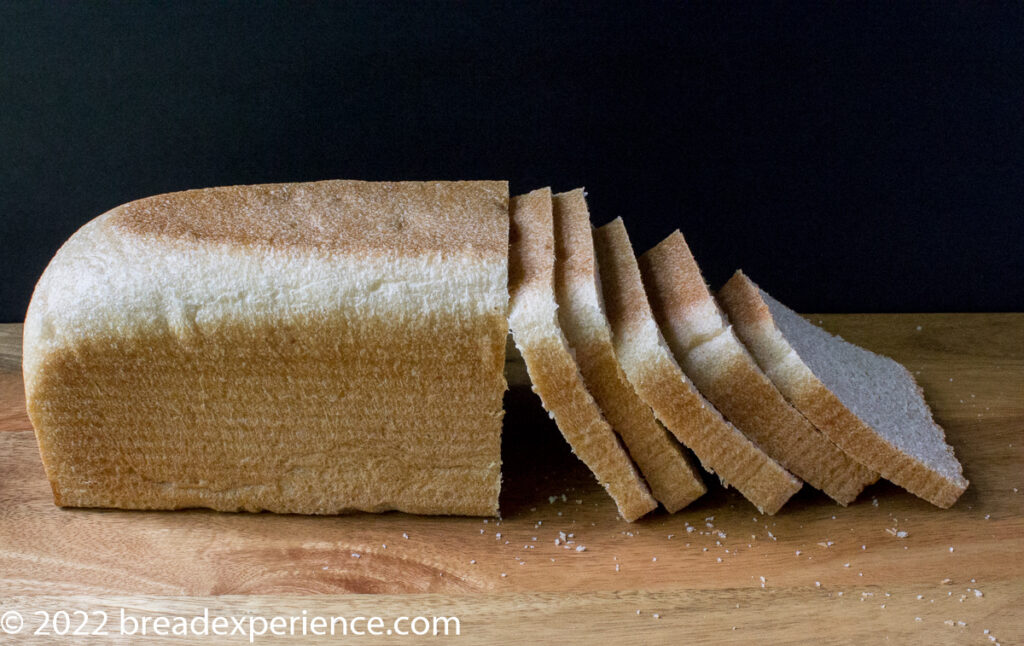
729 377
662 385
400 218
551 367
261 374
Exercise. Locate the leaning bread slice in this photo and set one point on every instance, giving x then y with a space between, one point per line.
672 477
533 318
658 379
720 366
866 403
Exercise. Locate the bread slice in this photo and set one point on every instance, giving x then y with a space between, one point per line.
866 403
658 379
672 477
720 366
304 348
534 320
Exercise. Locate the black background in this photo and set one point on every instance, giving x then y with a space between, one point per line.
849 156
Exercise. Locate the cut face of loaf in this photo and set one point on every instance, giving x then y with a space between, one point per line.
657 378
302 348
533 316
709 352
668 470
866 403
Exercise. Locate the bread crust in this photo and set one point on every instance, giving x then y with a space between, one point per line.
756 328
169 365
729 377
669 471
658 379
549 362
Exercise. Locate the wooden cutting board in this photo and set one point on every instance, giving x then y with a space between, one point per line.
717 571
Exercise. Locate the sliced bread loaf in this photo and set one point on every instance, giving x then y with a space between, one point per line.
658 379
301 348
669 472
533 317
866 403
720 366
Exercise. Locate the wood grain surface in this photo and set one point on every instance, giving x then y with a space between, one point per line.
715 572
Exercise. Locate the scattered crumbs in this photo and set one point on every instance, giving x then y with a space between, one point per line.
559 513
671 536
324 567
762 582
654 559
534 538
498 535
840 593
917 619
946 581
563 495
486 520
874 502
883 605
826 544
986 631
558 542
719 559
833 516
709 518
405 536
950 548
356 555
581 548
472 561
638 612
690 529
978 593
846 565
704 549
384 546
503 574
919 329
961 623
616 567
987 516
920 596
798 552
552 499
951 379
481 531
656 616
863 547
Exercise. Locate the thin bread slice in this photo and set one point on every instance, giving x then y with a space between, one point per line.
669 472
533 318
721 367
658 379
866 403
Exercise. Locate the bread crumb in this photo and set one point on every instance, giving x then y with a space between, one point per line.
472 561
919 328
503 574
356 555
719 559
798 552
978 593
405 536
950 548
654 559
581 548
946 581
656 616
817 584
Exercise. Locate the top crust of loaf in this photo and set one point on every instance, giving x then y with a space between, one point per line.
350 216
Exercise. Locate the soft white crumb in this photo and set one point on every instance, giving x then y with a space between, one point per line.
356 555
405 535
581 548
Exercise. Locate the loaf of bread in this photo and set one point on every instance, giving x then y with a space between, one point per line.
721 367
673 478
549 361
304 348
658 379
866 403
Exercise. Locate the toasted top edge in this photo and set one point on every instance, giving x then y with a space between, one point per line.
533 267
402 218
